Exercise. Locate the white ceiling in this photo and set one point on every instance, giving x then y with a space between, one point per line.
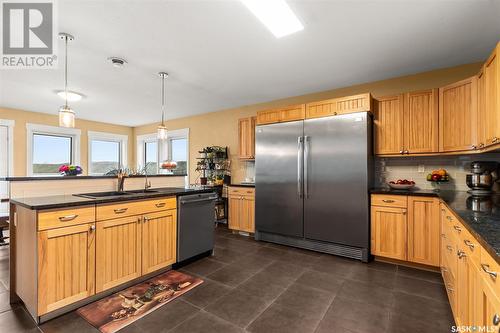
220 56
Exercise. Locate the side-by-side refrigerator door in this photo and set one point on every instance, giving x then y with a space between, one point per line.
278 178
337 174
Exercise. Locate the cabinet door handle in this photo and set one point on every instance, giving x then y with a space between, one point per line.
494 140
401 152
486 268
461 254
120 210
68 218
92 228
496 319
387 200
449 247
443 236
145 219
481 145
473 147
448 217
469 244
457 228
407 152
159 205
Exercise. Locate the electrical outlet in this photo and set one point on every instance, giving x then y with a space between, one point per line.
421 168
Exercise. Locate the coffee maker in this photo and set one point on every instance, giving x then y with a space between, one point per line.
482 177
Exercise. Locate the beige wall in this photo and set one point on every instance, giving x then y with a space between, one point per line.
221 128
22 117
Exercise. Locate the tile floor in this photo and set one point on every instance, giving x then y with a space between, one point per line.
261 287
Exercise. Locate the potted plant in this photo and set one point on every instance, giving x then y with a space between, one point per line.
70 170
219 180
220 152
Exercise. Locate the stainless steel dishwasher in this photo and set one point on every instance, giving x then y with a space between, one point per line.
195 225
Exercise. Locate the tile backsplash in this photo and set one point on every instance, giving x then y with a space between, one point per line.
387 169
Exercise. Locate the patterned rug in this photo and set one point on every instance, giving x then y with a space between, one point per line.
118 310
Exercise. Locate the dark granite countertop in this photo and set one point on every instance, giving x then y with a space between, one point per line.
242 185
60 201
480 215
24 179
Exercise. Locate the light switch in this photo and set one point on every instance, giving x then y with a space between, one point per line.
421 168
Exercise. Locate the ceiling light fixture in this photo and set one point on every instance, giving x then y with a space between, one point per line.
66 114
162 129
276 15
117 62
71 96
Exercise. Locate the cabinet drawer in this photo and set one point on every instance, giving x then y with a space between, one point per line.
470 246
239 191
389 200
130 208
49 219
490 271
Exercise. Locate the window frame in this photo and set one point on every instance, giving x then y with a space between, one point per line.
178 134
121 139
141 150
73 133
10 144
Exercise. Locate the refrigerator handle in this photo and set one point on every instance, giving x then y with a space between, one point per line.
300 166
306 166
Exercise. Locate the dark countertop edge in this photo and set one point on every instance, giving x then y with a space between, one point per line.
88 201
17 179
242 185
429 193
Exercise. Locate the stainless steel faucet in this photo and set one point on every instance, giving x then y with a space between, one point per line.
147 183
121 175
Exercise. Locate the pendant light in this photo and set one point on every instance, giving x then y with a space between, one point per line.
162 129
66 114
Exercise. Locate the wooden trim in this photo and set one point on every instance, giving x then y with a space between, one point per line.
407 264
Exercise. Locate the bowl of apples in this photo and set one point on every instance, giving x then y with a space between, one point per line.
401 184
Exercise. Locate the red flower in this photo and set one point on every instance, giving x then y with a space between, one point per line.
63 168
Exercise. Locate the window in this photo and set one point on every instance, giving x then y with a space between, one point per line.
177 148
147 153
48 147
50 152
107 152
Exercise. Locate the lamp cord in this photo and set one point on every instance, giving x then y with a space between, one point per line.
66 72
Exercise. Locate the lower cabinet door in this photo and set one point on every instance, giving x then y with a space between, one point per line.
388 232
247 214
118 251
488 308
467 291
423 230
234 217
159 240
66 266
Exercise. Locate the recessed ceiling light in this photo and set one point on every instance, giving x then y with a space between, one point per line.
276 15
117 62
72 95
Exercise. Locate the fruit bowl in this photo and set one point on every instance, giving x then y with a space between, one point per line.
401 184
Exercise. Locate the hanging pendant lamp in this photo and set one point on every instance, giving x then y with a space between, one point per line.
162 129
66 114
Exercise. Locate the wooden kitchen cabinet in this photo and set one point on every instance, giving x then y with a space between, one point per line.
491 72
423 230
246 138
159 240
66 264
458 116
389 125
388 232
488 307
118 251
342 105
289 113
241 209
483 125
421 116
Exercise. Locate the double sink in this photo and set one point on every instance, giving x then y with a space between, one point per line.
98 195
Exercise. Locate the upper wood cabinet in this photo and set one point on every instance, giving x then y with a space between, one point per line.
491 72
246 138
289 113
458 116
421 118
342 105
407 123
66 264
388 125
118 251
423 230
482 117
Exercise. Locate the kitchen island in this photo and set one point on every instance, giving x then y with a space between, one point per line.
70 250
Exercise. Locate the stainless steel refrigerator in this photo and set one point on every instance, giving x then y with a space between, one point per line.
312 179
